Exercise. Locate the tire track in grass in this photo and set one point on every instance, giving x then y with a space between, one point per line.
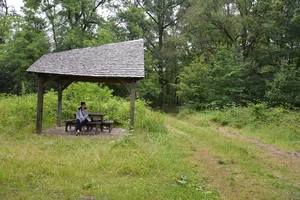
220 177
274 150
276 177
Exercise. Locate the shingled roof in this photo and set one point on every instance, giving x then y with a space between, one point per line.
115 60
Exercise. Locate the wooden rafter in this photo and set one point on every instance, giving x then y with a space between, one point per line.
54 77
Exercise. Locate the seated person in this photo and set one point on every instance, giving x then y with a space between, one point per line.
82 117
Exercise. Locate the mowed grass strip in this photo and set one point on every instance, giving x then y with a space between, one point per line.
237 169
134 166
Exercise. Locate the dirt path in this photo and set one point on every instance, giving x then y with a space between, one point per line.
272 149
266 172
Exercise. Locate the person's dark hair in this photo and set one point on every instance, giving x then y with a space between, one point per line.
82 103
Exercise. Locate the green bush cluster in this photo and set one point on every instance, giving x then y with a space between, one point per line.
19 112
259 113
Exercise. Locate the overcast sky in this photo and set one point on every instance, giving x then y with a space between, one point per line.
16 3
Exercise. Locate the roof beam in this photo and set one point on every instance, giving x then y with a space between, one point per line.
96 79
125 85
50 80
64 86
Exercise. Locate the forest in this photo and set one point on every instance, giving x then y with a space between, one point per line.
198 53
217 114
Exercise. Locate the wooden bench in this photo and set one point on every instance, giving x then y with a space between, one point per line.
107 123
96 123
92 124
69 123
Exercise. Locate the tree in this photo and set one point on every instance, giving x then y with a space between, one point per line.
285 88
71 22
6 25
28 42
212 80
157 21
263 32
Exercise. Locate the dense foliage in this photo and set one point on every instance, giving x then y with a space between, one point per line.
198 53
19 112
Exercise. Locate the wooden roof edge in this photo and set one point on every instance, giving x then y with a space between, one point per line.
99 46
99 79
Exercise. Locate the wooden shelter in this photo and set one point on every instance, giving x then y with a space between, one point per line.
110 63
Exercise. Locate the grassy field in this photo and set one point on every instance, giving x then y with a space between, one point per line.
194 159
134 166
237 167
234 153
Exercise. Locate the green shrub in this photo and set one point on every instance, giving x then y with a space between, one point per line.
148 120
185 112
19 112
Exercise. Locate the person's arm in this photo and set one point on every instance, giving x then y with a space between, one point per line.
86 115
79 114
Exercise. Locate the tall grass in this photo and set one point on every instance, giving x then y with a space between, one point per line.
278 126
19 112
235 165
143 164
135 166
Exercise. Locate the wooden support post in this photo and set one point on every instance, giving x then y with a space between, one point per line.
40 101
132 103
59 103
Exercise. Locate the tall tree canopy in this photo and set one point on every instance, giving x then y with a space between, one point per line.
262 32
198 53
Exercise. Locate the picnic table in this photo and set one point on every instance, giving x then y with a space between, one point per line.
97 119
96 116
